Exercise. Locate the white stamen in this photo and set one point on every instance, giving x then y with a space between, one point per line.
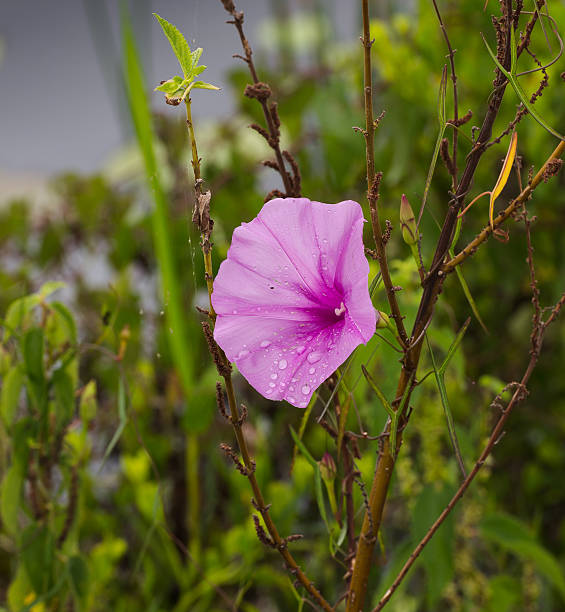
339 311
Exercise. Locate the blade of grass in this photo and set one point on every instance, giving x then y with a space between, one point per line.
440 380
170 285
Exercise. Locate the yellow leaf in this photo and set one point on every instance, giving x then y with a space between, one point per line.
504 174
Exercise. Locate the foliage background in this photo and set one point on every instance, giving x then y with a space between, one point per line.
141 443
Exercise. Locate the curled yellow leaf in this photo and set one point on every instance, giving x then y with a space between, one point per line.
504 174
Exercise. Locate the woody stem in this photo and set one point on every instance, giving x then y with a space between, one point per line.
279 543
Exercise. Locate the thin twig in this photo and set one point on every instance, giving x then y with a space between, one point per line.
538 330
471 248
373 180
451 55
261 92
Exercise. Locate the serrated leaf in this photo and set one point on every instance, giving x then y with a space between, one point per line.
178 44
10 499
11 387
196 56
171 86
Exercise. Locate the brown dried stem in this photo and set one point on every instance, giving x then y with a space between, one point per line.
471 248
373 180
538 330
259 502
432 288
451 53
259 91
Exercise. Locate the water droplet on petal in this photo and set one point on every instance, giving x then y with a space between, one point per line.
314 357
242 354
234 311
268 392
272 385
311 370
274 377
305 389
265 344
282 364
300 349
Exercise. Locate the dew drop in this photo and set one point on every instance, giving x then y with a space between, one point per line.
274 377
272 385
314 357
265 344
305 389
242 354
290 388
268 391
282 364
300 349
234 311
311 370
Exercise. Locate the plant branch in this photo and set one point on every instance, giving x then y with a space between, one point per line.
538 330
373 180
281 544
201 213
451 55
432 288
471 248
261 92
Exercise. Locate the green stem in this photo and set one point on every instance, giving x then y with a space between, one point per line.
205 238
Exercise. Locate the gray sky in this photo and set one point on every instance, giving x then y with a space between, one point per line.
58 94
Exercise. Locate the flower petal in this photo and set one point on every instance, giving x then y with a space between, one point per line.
292 298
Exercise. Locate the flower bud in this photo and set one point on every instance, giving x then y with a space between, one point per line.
408 222
382 320
328 469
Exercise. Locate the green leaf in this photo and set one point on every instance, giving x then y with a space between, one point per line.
88 404
78 577
178 44
171 86
437 559
513 80
48 288
32 349
64 398
10 495
122 414
11 387
33 355
37 554
516 537
66 317
19 314
203 85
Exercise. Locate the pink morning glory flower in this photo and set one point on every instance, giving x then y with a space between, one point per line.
292 298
